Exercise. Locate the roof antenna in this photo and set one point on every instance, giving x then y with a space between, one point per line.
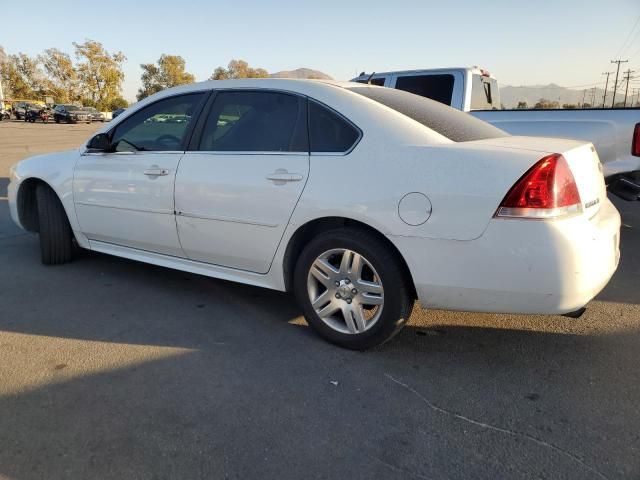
370 77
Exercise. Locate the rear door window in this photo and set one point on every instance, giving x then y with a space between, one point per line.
329 131
435 87
256 121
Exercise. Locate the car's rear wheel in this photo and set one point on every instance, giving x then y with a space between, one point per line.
56 238
352 288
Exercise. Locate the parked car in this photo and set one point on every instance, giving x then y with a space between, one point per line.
70 114
117 112
5 114
614 132
20 109
356 198
95 115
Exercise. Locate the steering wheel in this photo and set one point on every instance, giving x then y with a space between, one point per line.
168 140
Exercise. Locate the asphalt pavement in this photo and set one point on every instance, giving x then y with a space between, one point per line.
113 369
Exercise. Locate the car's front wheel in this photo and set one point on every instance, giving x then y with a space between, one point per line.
56 238
352 288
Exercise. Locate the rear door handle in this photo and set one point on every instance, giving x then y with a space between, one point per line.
155 171
284 176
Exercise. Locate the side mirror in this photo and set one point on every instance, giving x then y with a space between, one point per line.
100 143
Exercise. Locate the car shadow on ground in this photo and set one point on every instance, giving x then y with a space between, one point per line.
215 379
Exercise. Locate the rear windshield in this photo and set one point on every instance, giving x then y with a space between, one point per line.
453 124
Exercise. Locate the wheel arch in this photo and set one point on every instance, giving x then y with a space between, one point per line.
307 231
27 203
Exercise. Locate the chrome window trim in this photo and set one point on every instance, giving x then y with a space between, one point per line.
139 152
275 152
244 152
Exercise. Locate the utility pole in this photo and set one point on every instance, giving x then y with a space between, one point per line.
584 92
626 90
606 84
615 85
593 97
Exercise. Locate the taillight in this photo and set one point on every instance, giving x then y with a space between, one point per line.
635 143
547 190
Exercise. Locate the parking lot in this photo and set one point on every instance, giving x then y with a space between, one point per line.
115 369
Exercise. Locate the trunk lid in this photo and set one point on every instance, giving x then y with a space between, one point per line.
582 158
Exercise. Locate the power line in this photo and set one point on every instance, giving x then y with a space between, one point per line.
617 55
626 91
550 87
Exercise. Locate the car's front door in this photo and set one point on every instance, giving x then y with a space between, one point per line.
237 190
125 196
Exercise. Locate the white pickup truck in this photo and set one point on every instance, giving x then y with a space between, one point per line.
614 132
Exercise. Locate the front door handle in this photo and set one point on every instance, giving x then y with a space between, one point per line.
156 171
281 176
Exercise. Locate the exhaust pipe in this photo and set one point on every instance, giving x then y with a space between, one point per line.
626 188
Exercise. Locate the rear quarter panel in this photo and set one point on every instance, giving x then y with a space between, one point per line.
464 182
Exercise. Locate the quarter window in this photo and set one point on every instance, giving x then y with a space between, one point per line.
162 126
328 131
250 121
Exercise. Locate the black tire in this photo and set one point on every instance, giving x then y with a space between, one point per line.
398 301
57 120
56 238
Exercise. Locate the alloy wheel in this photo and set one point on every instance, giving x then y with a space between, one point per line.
345 291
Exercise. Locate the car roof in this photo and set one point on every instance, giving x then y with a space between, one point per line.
302 86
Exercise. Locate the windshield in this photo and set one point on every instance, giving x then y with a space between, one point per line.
453 124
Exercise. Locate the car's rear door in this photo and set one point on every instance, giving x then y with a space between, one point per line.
238 184
125 197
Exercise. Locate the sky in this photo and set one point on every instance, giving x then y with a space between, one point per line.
567 42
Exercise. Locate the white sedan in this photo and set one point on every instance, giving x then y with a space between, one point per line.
358 198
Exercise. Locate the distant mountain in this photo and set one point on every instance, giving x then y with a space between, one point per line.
301 73
510 96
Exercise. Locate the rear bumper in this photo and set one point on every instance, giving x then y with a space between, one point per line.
518 266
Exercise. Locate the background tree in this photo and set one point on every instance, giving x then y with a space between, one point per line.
167 73
522 106
62 77
22 77
118 102
238 69
100 73
547 104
